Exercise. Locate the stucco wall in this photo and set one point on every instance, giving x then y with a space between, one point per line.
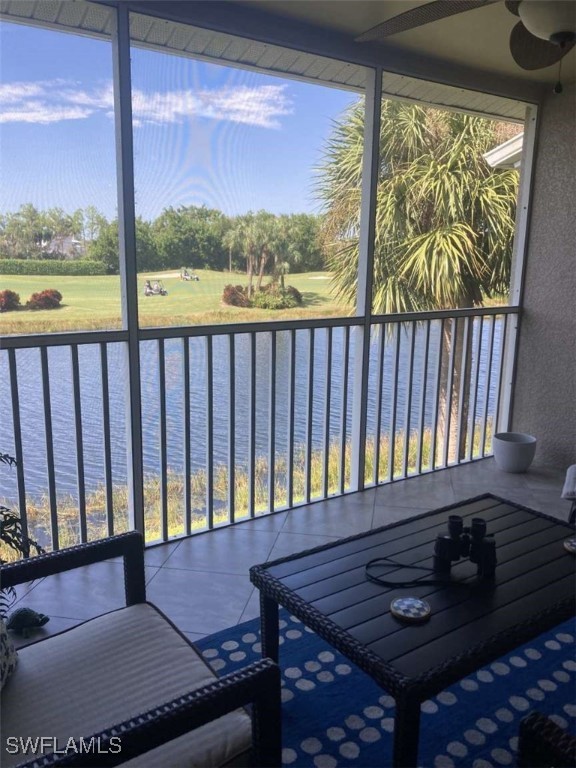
545 392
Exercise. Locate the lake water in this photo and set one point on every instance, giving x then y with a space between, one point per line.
61 397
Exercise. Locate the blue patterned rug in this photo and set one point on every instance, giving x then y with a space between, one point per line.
335 715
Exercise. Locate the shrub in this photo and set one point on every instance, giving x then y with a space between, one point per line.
48 299
264 300
235 296
9 300
295 294
81 267
273 297
270 296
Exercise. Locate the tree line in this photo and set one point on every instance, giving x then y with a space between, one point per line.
444 219
196 237
29 233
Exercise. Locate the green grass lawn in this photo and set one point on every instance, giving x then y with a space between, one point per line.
91 303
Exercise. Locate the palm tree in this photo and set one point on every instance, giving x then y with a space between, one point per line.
444 218
242 237
254 236
285 249
265 225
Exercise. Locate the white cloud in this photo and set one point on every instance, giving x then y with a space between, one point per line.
261 106
42 101
16 93
100 99
52 101
38 112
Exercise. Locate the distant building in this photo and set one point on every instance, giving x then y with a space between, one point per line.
66 246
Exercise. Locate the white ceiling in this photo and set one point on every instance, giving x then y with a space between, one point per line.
477 38
183 39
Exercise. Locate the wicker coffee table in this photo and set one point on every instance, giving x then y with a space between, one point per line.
327 589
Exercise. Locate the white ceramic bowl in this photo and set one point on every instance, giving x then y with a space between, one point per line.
513 451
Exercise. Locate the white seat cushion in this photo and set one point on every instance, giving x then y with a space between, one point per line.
108 670
569 490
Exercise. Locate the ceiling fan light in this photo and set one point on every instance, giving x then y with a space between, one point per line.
547 19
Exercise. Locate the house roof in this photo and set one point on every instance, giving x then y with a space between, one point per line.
508 154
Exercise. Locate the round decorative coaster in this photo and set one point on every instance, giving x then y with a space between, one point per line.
410 609
570 546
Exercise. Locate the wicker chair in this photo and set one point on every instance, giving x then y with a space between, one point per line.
132 681
543 744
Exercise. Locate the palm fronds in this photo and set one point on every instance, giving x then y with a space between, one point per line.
12 534
444 218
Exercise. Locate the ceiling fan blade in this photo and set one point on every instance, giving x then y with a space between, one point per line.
530 52
512 6
416 17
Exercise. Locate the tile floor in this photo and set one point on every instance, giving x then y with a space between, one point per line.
202 583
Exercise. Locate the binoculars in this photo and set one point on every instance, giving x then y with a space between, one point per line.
471 542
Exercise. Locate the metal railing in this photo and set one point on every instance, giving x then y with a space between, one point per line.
241 420
446 389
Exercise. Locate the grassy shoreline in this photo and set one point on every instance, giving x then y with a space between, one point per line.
38 512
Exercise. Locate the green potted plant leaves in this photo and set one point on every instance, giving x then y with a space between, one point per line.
12 534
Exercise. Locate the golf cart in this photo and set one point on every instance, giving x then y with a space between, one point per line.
185 275
154 288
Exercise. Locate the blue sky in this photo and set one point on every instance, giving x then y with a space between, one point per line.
203 134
